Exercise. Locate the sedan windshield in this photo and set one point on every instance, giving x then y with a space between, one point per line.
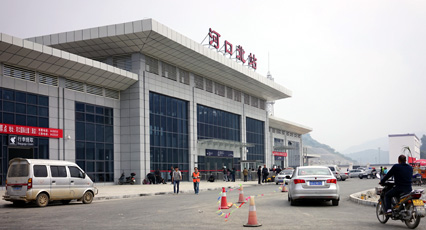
313 171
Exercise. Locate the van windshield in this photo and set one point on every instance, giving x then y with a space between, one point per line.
18 170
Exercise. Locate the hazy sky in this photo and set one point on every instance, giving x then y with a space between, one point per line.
356 67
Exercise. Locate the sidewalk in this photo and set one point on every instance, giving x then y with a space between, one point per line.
107 192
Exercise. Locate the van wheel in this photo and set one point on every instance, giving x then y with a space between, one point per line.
87 197
42 200
65 201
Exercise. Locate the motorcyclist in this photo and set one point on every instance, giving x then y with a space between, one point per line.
402 173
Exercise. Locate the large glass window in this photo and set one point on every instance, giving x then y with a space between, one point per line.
168 134
95 138
255 135
26 109
217 124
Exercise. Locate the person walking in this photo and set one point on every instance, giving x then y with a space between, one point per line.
265 174
196 180
245 173
228 172
259 174
177 177
249 173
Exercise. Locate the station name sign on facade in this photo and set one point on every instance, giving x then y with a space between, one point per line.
30 131
228 49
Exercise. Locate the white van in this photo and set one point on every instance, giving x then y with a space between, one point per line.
42 181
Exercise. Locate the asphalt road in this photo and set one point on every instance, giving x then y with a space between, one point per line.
189 211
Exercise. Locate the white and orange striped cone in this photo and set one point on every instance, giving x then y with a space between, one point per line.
223 203
252 218
241 196
284 188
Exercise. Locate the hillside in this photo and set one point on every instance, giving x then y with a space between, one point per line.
327 154
370 156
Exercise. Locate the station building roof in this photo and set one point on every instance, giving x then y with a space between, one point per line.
28 54
158 41
280 123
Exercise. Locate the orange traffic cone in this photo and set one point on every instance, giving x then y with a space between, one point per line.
284 188
241 197
223 202
252 218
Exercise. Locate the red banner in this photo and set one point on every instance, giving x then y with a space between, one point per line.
30 131
281 154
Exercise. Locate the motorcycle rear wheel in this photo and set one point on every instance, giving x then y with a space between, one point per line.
380 213
414 220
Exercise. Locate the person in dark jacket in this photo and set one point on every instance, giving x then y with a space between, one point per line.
259 174
402 173
265 173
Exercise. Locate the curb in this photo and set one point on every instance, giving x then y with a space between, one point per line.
354 198
126 196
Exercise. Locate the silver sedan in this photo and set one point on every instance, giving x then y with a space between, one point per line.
313 182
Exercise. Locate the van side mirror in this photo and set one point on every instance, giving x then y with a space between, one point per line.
288 177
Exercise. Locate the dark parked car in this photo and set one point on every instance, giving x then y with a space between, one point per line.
369 174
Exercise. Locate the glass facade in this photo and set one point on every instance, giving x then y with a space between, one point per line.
21 108
255 135
217 124
94 133
168 127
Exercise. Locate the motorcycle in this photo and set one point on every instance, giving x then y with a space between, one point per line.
128 180
408 208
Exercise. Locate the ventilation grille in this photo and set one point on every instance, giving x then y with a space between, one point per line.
219 89
122 62
92 89
199 82
47 79
169 71
209 85
229 92
246 99
112 93
254 102
237 95
184 77
151 65
74 85
20 73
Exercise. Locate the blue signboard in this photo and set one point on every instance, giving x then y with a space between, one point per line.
219 153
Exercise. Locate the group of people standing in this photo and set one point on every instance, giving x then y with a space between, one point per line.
383 172
228 175
176 176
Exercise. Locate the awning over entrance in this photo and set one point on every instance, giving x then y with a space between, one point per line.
224 143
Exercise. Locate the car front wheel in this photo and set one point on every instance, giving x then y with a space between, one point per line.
87 197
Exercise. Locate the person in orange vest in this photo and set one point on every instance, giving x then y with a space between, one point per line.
196 180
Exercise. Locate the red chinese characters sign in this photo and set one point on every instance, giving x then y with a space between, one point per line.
281 154
214 41
30 131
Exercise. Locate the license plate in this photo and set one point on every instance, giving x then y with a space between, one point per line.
418 203
17 188
315 183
